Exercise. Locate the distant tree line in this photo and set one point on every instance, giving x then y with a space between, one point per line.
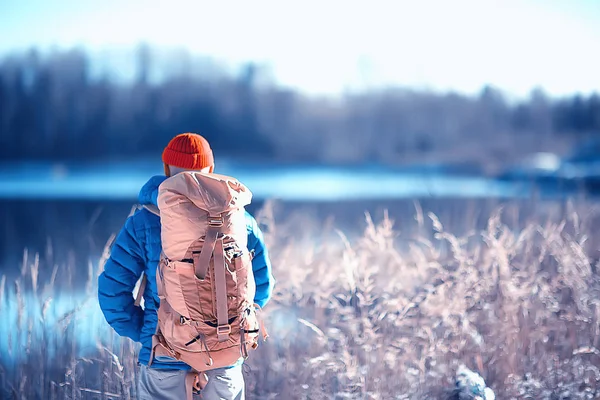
51 107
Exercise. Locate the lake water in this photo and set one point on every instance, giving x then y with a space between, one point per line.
74 207
33 319
122 180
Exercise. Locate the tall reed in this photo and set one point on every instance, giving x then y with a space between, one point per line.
389 314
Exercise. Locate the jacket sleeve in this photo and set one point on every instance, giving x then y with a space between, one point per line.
261 264
115 285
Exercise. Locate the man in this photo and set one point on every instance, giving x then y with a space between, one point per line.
137 250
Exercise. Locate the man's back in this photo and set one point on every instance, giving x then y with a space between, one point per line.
137 251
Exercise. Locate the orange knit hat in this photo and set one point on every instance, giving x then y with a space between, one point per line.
188 151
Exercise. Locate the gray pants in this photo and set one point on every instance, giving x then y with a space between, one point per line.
164 384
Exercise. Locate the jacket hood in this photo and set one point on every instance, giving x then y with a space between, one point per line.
149 192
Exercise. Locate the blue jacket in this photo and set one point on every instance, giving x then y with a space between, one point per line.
137 250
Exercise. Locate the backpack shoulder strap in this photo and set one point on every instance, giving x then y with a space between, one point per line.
140 294
152 208
142 288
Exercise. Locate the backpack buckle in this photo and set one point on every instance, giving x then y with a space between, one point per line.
224 329
215 222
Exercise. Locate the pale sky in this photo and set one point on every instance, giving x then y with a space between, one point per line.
328 46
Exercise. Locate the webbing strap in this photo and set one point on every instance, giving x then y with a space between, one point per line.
202 259
261 322
223 327
190 380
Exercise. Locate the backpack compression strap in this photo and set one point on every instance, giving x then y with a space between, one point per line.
202 258
223 328
213 246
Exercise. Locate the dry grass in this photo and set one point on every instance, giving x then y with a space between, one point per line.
383 315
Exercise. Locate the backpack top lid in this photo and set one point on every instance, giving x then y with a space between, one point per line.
213 193
190 200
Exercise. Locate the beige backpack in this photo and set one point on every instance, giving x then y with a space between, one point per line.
207 316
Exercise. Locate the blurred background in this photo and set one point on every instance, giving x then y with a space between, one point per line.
324 109
307 103
325 103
